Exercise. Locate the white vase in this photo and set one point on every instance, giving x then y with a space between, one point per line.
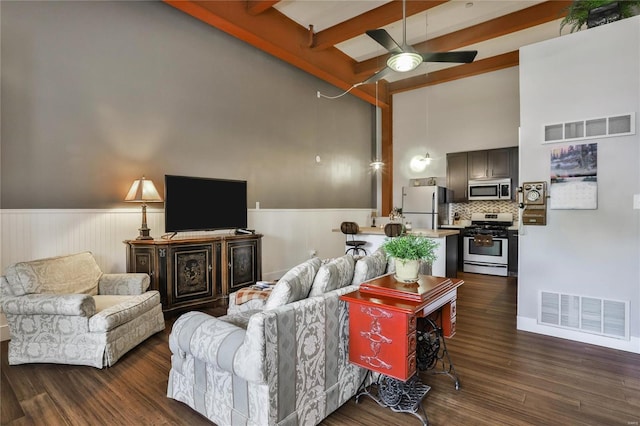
407 270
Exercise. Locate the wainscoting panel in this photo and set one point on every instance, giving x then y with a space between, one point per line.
290 236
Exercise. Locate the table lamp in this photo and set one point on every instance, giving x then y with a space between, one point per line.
143 191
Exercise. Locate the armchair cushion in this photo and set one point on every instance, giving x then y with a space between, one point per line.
114 311
50 304
294 285
127 283
78 273
336 273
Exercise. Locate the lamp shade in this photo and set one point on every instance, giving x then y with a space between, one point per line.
143 191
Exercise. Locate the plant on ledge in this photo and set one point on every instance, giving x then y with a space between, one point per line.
578 12
409 250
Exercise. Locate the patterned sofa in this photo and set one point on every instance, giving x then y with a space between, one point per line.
64 310
286 363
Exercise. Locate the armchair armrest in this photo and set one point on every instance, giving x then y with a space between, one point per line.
50 304
205 338
123 284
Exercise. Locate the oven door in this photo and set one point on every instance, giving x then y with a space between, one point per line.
491 260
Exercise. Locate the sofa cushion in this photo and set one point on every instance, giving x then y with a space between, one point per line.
333 274
369 267
113 311
294 285
77 273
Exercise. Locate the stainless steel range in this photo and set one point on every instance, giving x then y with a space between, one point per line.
486 244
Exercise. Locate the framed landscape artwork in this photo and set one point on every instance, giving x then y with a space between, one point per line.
574 177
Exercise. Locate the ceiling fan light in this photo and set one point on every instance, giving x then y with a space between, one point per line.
405 61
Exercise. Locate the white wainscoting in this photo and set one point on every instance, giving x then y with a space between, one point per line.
290 235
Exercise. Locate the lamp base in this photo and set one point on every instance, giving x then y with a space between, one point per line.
144 234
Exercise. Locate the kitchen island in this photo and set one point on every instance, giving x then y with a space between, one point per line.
446 263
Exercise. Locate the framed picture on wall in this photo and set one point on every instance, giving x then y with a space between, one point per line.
574 177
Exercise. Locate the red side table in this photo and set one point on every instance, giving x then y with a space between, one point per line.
385 322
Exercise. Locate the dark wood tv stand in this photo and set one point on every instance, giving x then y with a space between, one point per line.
197 271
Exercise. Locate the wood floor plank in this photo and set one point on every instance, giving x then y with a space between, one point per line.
508 378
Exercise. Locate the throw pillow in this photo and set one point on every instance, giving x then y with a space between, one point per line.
336 273
370 267
294 285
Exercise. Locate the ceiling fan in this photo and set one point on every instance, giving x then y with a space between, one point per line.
405 58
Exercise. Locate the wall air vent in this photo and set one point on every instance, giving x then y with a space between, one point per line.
618 125
588 314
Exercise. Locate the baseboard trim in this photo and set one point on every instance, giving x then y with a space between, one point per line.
531 325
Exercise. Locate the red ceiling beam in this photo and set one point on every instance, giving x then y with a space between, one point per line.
376 18
274 33
507 24
494 63
256 7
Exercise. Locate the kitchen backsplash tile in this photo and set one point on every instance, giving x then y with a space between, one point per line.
464 210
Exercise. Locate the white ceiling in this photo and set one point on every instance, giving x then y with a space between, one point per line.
440 20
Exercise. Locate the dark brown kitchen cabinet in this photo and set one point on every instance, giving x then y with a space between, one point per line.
457 180
193 272
513 253
489 164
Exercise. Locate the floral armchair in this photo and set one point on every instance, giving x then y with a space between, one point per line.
64 310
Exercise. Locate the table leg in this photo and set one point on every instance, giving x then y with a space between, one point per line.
431 351
398 396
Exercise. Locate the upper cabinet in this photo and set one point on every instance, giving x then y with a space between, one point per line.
489 164
457 181
486 164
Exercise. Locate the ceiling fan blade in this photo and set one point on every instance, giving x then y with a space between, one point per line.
460 57
384 39
377 76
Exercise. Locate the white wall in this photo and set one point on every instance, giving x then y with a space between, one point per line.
592 73
288 235
479 112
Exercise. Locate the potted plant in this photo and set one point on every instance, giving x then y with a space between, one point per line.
408 250
578 12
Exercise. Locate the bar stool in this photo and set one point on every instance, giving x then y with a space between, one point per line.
351 229
393 229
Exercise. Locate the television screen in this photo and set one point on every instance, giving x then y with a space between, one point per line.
204 204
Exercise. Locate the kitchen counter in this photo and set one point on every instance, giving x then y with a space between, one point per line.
446 252
431 233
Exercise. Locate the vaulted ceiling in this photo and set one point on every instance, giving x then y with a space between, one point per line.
327 39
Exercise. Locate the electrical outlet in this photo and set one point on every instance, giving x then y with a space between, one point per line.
636 201
312 253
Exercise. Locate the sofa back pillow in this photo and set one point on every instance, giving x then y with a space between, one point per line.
369 267
333 274
294 285
76 273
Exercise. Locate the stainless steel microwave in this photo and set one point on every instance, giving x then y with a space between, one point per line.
490 189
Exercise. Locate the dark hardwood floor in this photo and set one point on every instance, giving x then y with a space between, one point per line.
508 377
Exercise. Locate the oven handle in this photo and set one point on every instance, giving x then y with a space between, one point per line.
486 265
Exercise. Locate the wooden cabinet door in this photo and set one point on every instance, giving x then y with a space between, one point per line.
457 176
477 164
499 163
191 273
243 263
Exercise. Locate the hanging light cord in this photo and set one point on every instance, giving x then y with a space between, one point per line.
320 95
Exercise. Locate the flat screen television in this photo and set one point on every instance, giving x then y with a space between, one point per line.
204 204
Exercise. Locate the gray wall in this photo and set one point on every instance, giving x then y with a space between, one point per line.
95 94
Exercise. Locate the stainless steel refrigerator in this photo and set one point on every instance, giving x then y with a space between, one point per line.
424 206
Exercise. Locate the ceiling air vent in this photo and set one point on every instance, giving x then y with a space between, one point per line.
587 314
